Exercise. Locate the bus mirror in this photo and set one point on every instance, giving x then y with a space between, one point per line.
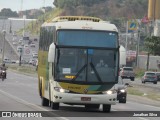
51 53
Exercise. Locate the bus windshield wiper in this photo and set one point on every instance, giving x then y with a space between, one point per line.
78 73
95 71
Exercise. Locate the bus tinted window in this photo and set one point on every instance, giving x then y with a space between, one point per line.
88 38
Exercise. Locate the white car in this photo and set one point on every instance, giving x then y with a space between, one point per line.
19 48
14 39
26 46
35 55
14 43
20 41
31 61
6 60
32 45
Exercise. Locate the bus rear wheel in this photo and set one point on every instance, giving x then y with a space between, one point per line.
106 108
54 106
45 102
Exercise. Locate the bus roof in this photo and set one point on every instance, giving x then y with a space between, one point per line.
81 23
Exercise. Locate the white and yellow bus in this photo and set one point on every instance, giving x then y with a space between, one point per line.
78 62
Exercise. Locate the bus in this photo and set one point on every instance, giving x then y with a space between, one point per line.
78 62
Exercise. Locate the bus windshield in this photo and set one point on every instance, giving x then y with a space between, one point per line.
86 65
87 38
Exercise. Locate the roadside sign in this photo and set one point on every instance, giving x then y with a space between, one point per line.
132 25
27 51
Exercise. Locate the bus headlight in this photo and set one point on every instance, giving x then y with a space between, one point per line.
109 92
59 89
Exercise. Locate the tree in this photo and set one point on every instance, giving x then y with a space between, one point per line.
152 44
6 12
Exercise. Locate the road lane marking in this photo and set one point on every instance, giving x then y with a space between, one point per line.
21 100
30 104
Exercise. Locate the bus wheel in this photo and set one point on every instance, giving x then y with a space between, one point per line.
45 102
54 106
106 108
40 88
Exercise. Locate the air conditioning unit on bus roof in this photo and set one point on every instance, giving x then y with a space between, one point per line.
75 18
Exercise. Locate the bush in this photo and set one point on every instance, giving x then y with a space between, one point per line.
139 72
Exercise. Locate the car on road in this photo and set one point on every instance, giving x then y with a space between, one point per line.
19 48
158 76
32 45
31 61
35 55
6 60
20 41
127 72
26 46
14 43
121 91
35 39
149 76
13 61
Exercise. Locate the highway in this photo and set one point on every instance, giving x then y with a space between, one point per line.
20 93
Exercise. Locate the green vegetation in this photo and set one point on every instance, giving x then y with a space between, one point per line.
104 9
139 72
144 91
134 91
6 12
153 44
34 26
26 69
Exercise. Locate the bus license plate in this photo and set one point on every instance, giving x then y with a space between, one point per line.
85 98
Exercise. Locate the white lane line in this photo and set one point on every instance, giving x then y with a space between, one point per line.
21 100
30 104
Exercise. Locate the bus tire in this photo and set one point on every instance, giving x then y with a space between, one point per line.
106 108
49 95
40 88
55 106
45 102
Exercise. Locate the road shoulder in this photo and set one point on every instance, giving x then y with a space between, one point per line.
143 100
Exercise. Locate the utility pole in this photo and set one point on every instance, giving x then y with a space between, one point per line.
10 30
4 35
126 36
151 29
137 49
44 11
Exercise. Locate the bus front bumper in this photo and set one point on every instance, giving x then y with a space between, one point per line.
59 97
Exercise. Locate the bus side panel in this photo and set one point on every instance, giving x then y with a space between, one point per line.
42 71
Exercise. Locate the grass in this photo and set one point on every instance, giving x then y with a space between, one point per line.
133 91
23 68
144 92
139 72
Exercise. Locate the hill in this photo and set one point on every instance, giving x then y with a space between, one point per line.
116 11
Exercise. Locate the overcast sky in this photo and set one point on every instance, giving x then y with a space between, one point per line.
15 5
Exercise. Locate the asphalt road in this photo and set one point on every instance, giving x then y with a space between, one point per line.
20 93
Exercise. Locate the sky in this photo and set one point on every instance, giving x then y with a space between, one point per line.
15 5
